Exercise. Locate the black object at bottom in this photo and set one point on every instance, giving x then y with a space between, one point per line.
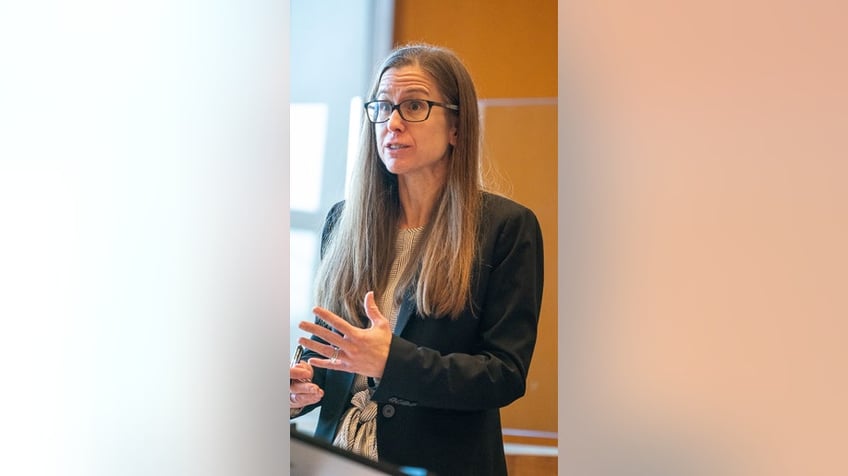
311 456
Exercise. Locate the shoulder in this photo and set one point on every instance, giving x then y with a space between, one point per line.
330 224
335 210
333 215
509 235
498 208
505 223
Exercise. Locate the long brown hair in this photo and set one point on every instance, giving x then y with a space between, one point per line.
361 248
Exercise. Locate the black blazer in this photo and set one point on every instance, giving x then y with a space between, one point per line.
446 379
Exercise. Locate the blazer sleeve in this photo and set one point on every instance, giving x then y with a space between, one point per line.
500 334
319 376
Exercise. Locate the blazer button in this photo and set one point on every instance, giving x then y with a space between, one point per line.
388 411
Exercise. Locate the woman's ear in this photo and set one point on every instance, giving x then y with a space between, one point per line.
452 137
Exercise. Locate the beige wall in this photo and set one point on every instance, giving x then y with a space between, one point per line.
510 47
510 50
712 321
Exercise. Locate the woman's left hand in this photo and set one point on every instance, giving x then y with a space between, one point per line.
360 351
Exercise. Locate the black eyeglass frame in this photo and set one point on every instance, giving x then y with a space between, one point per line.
396 107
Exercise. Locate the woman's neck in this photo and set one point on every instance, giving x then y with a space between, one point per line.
417 205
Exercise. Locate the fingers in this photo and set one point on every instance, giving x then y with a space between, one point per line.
339 324
327 350
302 391
334 364
302 394
301 371
328 335
371 309
333 353
354 350
333 320
332 338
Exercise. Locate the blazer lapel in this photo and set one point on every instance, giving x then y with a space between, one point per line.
406 308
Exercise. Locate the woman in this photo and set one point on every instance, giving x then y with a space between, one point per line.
429 289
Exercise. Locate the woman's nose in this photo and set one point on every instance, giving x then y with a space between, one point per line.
395 121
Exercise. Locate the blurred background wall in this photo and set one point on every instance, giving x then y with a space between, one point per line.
703 308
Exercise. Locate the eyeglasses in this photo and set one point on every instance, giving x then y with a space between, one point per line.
411 110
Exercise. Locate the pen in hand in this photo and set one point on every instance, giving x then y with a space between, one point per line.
298 353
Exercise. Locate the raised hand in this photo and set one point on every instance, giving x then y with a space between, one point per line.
361 351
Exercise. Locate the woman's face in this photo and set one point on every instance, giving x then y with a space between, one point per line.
414 150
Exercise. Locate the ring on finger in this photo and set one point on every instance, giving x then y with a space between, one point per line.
292 398
335 357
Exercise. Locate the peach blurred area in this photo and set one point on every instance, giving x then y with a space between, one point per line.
702 169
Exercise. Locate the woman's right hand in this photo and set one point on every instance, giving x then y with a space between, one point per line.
302 392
